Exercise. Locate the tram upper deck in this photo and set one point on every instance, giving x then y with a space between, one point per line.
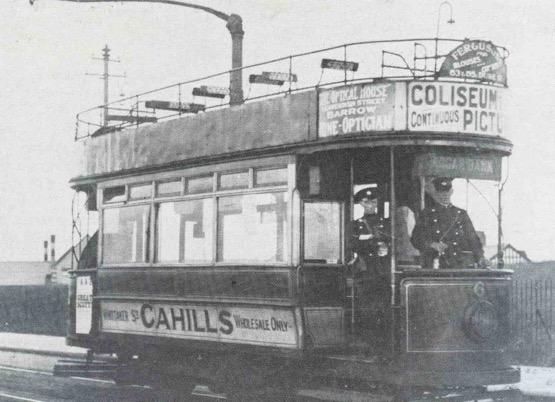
452 97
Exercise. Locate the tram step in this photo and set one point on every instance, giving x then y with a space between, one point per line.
82 368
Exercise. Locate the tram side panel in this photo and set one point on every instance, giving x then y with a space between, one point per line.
456 326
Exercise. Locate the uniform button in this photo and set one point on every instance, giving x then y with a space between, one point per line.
433 210
435 220
454 253
437 231
455 243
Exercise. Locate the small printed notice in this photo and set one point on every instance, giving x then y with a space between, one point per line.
354 109
257 326
83 305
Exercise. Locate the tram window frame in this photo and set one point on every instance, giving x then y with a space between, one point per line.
211 190
203 190
281 169
340 235
182 256
117 197
240 186
179 182
140 187
286 235
146 230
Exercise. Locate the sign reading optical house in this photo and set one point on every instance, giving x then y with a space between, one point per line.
356 108
455 107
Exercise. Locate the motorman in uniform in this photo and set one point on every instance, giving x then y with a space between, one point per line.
369 238
444 234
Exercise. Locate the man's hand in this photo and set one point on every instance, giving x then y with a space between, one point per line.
382 249
440 247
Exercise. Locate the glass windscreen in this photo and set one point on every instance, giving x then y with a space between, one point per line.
184 231
253 228
125 234
322 232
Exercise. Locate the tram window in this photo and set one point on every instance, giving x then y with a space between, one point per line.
113 194
125 234
184 231
199 185
322 232
140 192
168 188
253 227
270 177
230 181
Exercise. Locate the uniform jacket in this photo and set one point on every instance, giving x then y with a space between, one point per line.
453 227
366 233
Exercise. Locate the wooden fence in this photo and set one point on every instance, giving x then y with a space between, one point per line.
532 314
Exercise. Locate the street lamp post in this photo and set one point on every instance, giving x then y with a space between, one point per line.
234 24
449 21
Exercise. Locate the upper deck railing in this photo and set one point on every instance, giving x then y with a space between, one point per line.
402 59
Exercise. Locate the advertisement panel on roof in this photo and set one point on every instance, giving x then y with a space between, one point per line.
455 107
475 59
357 108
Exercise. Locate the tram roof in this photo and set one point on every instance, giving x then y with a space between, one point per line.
426 108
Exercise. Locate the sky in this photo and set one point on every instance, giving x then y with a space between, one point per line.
48 49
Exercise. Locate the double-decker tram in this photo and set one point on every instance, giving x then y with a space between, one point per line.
224 254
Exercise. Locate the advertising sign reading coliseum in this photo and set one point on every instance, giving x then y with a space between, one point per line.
356 108
455 107
230 324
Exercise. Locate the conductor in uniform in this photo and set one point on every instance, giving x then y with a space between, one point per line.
444 234
369 239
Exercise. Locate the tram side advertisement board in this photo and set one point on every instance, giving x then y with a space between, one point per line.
256 326
455 107
357 108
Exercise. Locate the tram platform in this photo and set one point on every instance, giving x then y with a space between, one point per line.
536 381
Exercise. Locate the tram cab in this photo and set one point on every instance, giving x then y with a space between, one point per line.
226 236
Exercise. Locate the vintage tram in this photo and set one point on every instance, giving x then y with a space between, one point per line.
221 255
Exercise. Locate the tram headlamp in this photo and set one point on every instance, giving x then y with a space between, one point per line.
481 322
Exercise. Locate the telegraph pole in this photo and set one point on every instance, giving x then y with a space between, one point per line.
234 25
106 77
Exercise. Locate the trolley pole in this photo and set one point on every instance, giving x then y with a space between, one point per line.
234 25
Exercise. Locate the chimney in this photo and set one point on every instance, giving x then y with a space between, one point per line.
46 251
53 248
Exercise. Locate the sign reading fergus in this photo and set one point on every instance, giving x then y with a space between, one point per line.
355 109
238 325
475 59
455 107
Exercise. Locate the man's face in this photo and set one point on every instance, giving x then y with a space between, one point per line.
370 206
443 197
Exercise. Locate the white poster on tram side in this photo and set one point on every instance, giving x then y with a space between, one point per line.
455 108
257 326
83 305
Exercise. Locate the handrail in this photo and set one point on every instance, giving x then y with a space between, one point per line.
92 118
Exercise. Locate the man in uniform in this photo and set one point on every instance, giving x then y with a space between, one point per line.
444 234
368 238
